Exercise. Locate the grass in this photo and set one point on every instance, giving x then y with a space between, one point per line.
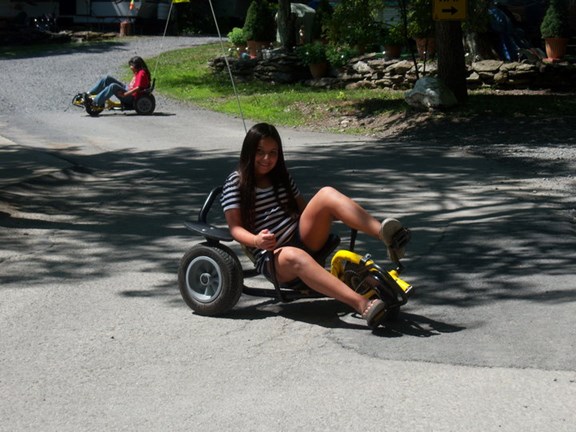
185 75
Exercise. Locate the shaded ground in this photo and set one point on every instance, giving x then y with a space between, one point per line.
522 127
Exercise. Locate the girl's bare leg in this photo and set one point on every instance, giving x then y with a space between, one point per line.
329 205
292 263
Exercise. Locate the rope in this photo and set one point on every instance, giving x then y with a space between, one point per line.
223 54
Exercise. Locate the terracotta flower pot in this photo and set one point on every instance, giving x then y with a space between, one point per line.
426 47
393 51
555 48
255 48
319 70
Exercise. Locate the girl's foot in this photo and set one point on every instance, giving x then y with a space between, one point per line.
395 237
374 312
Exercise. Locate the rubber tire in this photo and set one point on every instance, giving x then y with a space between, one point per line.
93 111
210 279
145 104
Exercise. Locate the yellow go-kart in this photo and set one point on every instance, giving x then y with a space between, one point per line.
211 277
144 103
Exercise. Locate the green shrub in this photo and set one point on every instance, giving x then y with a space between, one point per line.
340 55
420 22
237 37
555 22
260 24
312 53
394 34
353 24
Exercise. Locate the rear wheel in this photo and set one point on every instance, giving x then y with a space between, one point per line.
210 279
145 104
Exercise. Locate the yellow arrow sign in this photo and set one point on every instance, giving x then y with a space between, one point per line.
450 10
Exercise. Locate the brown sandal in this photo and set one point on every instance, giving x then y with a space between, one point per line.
374 313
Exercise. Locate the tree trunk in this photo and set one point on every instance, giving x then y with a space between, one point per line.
284 24
451 64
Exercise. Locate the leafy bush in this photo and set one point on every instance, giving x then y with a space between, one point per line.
237 37
340 55
420 22
394 34
555 22
353 24
312 53
260 24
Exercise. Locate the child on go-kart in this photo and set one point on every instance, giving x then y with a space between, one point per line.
266 212
109 86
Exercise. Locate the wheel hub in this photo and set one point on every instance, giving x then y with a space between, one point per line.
205 279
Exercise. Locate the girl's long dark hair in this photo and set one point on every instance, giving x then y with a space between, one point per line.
139 64
278 176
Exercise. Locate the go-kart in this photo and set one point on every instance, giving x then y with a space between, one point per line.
211 276
144 103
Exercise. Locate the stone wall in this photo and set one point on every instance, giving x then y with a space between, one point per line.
374 71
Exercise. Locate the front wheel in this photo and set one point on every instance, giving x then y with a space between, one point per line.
210 279
93 110
145 104
361 281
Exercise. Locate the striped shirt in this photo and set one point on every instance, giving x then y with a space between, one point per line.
269 213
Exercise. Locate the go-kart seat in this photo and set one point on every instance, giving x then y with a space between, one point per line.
150 88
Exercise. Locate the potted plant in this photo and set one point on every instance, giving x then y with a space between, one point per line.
554 29
393 40
421 27
259 26
238 39
313 55
340 55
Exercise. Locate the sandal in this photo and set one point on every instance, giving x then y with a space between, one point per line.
374 313
395 237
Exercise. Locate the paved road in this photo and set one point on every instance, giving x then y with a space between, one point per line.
95 336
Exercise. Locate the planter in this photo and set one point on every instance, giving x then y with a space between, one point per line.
319 70
426 47
555 48
393 51
255 48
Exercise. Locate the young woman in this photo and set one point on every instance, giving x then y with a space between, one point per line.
109 86
266 212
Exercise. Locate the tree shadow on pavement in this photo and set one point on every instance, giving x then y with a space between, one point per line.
472 230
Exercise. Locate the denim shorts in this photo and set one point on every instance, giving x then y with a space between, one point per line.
264 261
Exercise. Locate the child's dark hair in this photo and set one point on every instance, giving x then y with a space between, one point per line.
139 64
279 175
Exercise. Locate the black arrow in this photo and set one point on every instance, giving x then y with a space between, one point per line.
452 10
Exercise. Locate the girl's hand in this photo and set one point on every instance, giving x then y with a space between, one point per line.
265 240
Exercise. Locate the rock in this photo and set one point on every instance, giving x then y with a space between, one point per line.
430 93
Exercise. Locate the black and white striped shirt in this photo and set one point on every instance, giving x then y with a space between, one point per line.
270 213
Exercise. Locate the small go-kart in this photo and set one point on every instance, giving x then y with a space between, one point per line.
211 276
144 103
